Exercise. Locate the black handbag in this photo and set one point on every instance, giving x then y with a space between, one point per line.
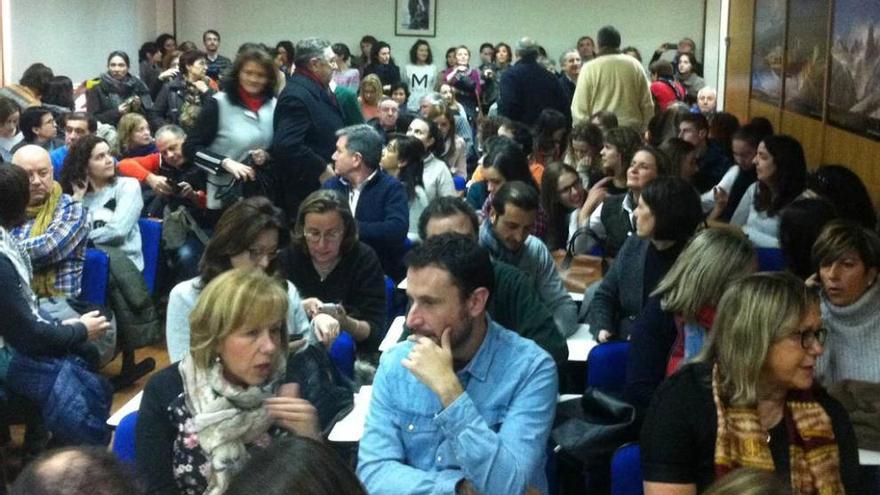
593 426
322 384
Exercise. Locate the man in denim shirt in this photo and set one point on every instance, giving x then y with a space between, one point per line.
464 406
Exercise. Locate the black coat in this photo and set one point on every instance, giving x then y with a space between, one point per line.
306 120
526 89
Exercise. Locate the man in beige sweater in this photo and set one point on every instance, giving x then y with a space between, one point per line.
613 82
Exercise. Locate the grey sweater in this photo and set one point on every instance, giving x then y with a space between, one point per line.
534 260
852 351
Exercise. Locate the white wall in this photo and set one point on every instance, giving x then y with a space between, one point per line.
713 66
556 25
73 37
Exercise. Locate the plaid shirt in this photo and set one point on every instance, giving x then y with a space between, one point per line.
62 247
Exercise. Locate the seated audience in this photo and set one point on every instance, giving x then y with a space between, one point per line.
750 400
113 204
400 93
612 221
10 114
377 200
133 137
437 178
169 66
402 158
781 170
748 481
515 303
682 159
848 259
55 232
181 99
712 162
433 104
149 58
38 127
673 325
200 417
550 133
76 125
247 236
667 215
585 144
118 92
76 471
479 397
30 88
173 184
385 123
369 95
226 137
605 120
35 349
505 234
744 147
329 265
800 224
562 198
707 99
454 148
299 465
845 190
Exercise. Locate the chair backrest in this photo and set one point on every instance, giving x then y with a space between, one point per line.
151 240
606 366
770 260
626 471
96 273
342 353
460 183
123 438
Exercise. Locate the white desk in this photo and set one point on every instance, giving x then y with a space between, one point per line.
131 406
869 457
351 427
580 343
392 336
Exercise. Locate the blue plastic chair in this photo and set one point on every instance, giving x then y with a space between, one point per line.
606 366
151 240
770 260
342 353
96 273
626 471
123 438
460 183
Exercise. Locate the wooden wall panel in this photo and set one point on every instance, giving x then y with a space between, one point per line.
739 58
759 108
810 132
861 155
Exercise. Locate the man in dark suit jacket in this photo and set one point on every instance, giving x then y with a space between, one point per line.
307 117
377 200
527 88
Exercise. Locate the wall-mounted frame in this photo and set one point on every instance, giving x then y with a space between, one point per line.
805 57
415 18
768 51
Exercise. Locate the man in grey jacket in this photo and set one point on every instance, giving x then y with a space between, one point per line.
506 235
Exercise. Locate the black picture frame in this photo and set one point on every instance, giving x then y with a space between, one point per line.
415 18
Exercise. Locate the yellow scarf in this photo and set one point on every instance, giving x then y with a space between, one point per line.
43 283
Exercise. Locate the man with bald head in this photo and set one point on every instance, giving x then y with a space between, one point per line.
56 231
76 471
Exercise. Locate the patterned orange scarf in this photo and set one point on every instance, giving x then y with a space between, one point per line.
742 442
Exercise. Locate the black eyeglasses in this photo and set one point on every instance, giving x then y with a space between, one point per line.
810 337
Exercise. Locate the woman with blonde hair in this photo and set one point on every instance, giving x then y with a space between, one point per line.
369 94
681 309
750 400
200 418
133 137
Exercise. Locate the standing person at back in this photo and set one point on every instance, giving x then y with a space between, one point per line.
306 120
217 64
527 87
613 82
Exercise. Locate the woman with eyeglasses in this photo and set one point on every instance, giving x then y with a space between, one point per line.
247 236
337 275
848 259
750 400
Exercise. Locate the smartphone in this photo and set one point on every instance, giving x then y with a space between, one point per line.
329 308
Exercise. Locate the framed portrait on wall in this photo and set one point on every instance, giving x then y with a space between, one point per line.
768 51
805 59
854 96
415 18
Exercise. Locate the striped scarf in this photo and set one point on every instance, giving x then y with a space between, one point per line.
743 442
44 282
